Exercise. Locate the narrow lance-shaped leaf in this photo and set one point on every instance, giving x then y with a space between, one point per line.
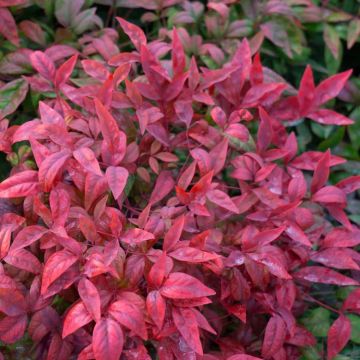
338 336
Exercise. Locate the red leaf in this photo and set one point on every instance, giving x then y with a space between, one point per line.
5 238
352 303
12 301
178 55
341 238
164 184
185 322
27 236
51 167
321 173
108 340
306 91
192 255
64 71
117 178
329 194
267 236
265 132
60 206
75 318
243 357
43 65
25 260
24 183
349 184
156 307
157 271
114 149
263 94
274 264
135 34
331 87
329 117
135 236
90 297
337 258
202 159
12 328
55 266
324 275
223 200
130 316
174 233
275 334
218 155
87 159
338 336
219 116
183 286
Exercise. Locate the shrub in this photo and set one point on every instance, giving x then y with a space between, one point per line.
164 210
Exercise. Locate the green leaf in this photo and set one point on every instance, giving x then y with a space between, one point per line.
310 353
355 328
354 130
11 96
332 40
333 140
343 292
321 130
317 321
353 32
333 64
304 136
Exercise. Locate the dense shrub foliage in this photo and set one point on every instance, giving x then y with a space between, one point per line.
162 203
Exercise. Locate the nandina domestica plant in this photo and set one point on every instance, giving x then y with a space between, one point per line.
164 212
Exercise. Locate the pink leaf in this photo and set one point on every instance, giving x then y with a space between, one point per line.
43 65
108 340
117 178
8 26
135 34
21 184
223 200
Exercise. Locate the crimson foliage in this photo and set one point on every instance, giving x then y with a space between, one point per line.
167 210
